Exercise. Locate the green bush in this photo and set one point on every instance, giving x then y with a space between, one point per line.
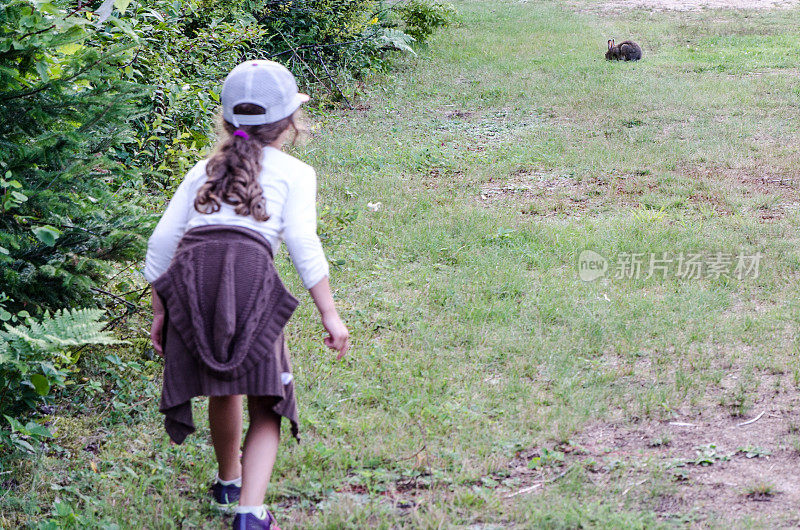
98 117
344 35
184 49
35 362
423 17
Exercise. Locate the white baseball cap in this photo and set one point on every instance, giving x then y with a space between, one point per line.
268 84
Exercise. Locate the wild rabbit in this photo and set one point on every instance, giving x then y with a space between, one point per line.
624 51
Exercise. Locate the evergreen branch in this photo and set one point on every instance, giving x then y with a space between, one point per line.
127 304
53 82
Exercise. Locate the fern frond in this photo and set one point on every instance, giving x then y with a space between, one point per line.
65 329
5 349
396 39
22 333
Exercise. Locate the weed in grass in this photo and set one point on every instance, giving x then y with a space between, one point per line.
680 472
546 458
708 455
760 491
661 441
753 451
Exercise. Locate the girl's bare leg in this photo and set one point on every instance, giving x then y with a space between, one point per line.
260 450
225 422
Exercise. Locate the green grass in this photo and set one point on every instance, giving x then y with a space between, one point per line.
474 339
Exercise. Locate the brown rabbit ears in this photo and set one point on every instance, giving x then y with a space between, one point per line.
610 43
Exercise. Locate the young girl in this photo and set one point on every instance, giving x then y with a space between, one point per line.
219 306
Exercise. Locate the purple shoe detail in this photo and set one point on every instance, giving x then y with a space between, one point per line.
225 497
248 521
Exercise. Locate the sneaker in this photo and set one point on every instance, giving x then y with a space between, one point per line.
248 521
225 497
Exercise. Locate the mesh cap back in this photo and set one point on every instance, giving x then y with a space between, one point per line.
267 84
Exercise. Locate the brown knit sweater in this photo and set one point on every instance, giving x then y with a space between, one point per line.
226 308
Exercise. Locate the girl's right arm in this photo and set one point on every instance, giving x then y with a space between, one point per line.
339 337
305 249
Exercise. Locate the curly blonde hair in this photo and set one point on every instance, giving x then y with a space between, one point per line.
235 167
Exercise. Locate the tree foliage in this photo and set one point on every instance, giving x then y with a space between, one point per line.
67 202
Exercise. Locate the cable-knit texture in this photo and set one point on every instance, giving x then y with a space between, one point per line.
226 308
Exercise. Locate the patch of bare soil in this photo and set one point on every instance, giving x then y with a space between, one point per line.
770 192
766 192
557 194
693 5
720 466
483 127
702 466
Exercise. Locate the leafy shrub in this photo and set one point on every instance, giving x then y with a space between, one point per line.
97 118
34 361
345 35
423 17
184 49
182 52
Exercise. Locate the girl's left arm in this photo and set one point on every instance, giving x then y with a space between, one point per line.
162 244
156 330
338 336
161 247
300 229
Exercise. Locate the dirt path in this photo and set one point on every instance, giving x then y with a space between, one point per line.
696 5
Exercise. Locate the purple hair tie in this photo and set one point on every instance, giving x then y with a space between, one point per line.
240 133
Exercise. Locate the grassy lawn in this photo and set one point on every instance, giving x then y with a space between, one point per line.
489 386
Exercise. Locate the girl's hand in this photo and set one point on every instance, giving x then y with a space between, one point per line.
338 337
156 332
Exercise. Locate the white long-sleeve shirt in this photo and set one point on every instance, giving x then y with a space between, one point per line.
290 188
